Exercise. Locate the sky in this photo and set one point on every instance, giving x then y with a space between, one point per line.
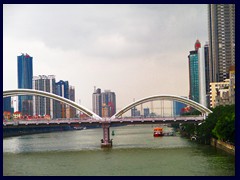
134 50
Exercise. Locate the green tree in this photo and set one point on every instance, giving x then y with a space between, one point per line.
188 129
225 126
219 124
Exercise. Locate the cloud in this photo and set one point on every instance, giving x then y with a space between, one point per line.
134 50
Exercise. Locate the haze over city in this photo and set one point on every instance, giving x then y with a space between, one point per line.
132 50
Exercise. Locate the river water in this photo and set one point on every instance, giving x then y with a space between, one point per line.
135 152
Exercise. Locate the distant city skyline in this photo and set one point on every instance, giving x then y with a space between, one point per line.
132 50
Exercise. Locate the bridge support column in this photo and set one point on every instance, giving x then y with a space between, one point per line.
106 141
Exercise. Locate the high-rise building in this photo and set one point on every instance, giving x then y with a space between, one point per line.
7 104
72 98
193 75
109 99
207 73
42 105
25 75
177 108
104 103
202 77
221 31
199 74
146 112
62 89
135 112
97 102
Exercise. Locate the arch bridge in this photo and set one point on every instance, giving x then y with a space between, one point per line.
204 110
116 118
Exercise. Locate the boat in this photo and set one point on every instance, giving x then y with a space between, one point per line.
78 128
158 131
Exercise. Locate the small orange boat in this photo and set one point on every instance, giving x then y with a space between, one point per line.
157 131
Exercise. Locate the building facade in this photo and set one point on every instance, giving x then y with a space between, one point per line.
7 104
207 73
202 76
42 105
223 93
135 112
146 112
97 102
221 32
62 89
109 100
193 75
25 75
104 103
178 108
73 111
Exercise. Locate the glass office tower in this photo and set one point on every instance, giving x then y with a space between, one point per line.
25 74
194 75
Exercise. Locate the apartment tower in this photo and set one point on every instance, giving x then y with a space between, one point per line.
221 32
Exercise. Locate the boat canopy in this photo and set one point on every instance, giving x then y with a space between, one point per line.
158 129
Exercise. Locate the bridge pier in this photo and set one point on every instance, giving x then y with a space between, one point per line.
106 141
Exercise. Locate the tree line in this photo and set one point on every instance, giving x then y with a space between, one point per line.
220 125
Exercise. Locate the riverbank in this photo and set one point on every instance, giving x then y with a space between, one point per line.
229 148
223 146
18 131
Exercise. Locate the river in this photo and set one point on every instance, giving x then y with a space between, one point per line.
135 152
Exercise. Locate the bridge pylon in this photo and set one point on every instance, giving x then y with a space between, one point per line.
106 141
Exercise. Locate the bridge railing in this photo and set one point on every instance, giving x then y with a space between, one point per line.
159 119
104 120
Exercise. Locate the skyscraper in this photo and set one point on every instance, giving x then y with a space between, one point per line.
25 75
193 75
207 73
202 77
104 103
43 105
7 104
62 89
72 113
177 108
97 102
146 112
221 32
109 99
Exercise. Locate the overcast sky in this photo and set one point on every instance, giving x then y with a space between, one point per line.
134 50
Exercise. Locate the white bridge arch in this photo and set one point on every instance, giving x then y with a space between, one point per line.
18 92
204 110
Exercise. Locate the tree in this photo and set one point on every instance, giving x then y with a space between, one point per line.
219 124
225 126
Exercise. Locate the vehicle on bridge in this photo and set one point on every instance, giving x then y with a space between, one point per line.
158 131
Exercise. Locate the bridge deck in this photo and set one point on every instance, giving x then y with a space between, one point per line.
159 120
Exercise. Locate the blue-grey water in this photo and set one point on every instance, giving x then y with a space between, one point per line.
135 152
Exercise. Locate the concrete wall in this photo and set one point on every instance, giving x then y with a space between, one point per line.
223 145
